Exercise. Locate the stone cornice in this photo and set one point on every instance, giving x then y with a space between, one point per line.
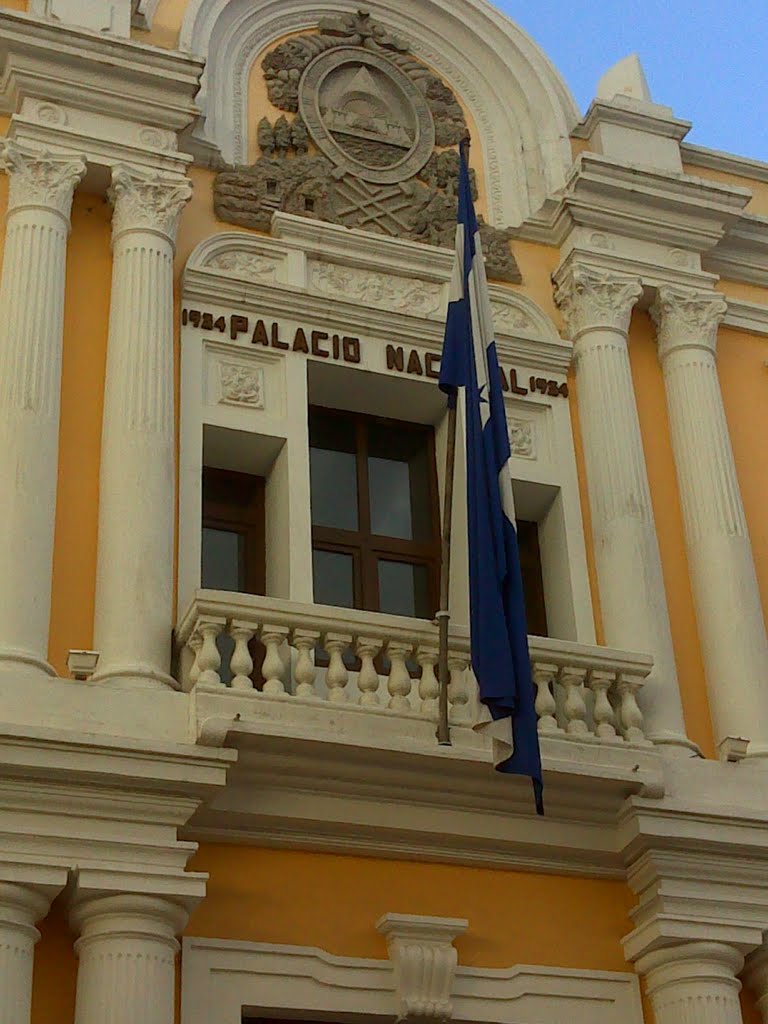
638 203
743 254
728 163
45 60
648 117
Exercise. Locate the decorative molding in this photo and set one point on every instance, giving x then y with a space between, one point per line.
594 299
522 438
98 73
247 266
241 385
382 291
41 177
225 978
104 16
728 163
501 76
687 320
694 982
751 317
147 202
424 959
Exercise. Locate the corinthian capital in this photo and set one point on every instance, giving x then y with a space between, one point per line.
593 298
41 177
687 319
147 202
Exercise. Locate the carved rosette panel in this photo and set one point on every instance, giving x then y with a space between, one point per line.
522 439
241 385
362 142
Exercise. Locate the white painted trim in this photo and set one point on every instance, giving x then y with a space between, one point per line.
728 163
751 317
219 978
520 104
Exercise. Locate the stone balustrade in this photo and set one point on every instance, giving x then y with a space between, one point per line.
385 663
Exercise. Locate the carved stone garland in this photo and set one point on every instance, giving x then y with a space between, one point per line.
365 145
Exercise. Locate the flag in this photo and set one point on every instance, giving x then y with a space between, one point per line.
499 635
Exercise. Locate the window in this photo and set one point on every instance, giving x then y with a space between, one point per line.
375 526
233 550
533 583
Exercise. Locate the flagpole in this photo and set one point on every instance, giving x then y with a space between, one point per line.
443 616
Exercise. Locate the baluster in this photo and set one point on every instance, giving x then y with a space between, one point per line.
630 715
605 719
208 658
195 644
399 681
458 692
241 662
368 678
305 641
336 675
429 686
273 669
575 707
546 706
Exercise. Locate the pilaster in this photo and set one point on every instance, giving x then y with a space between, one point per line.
134 587
597 306
725 588
41 186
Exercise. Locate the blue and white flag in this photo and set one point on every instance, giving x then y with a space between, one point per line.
499 636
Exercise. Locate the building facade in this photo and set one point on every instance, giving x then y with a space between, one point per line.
226 261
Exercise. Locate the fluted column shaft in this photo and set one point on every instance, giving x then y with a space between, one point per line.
134 587
694 984
725 588
31 326
20 908
597 306
127 948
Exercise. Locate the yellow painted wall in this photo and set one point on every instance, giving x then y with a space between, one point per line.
759 189
333 902
86 317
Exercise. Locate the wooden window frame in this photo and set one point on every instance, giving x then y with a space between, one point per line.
368 547
248 520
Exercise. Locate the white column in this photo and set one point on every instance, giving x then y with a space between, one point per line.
41 186
597 306
127 948
137 500
21 907
694 984
725 589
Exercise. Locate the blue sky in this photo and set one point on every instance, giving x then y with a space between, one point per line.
706 60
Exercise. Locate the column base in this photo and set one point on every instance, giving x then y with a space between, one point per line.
24 664
674 744
135 677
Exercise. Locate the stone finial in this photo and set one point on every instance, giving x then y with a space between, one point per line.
424 958
626 78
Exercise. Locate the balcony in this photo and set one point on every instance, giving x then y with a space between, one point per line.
336 731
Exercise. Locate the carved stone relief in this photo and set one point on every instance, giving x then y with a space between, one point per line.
362 142
522 441
246 265
380 291
241 385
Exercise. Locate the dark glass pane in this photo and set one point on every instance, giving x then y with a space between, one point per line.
334 578
223 561
398 474
333 471
404 589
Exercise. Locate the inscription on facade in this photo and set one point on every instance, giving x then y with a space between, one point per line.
346 348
